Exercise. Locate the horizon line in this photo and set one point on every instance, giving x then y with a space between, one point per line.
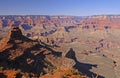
56 15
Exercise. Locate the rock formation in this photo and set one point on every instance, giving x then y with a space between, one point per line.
27 22
19 52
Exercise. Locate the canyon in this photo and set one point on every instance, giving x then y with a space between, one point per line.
89 44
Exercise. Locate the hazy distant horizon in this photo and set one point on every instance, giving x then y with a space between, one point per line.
64 15
59 7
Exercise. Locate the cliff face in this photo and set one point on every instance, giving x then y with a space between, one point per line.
101 22
96 22
37 20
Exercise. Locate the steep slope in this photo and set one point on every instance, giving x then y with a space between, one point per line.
20 53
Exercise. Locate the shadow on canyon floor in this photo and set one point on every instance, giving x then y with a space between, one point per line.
82 67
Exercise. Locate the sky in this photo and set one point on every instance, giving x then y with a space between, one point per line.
59 7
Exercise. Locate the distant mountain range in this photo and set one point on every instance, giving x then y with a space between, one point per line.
28 21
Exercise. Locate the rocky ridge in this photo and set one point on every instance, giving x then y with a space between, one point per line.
21 53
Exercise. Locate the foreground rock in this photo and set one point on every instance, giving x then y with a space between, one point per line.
20 53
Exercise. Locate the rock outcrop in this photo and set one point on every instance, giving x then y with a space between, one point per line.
14 36
19 52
